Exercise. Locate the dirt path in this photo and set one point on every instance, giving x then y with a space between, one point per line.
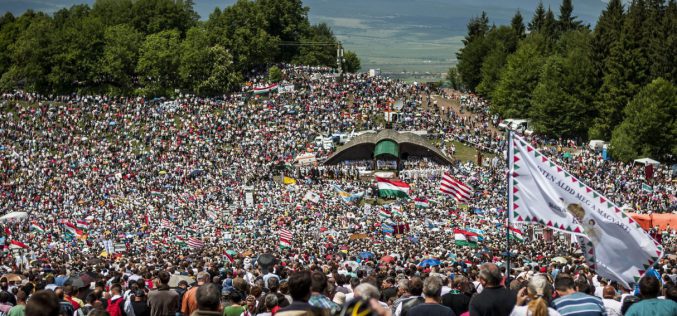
454 105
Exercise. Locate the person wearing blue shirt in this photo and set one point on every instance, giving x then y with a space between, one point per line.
651 305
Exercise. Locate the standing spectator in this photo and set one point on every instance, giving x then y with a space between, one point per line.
299 288
189 302
66 307
318 289
533 299
20 308
651 305
415 290
43 303
613 307
432 290
269 304
459 298
163 301
495 299
572 302
208 301
139 304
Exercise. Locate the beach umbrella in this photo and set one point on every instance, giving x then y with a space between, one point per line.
559 260
12 277
388 259
354 265
366 254
176 278
429 262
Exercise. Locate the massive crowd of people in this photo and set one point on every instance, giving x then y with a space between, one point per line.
126 198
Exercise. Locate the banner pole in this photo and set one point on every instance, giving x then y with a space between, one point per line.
509 160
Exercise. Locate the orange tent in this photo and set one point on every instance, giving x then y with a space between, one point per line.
648 221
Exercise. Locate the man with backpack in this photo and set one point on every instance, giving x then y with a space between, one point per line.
415 289
117 305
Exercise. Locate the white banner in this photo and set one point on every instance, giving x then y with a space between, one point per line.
542 192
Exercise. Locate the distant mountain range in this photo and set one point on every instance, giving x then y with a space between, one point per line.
394 35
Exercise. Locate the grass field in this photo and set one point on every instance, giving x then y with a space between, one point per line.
467 153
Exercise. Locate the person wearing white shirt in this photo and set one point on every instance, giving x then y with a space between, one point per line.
612 306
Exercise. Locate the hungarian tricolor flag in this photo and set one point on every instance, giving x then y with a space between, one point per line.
15 244
82 224
421 202
516 234
384 214
36 228
266 89
229 257
392 188
72 232
397 211
465 238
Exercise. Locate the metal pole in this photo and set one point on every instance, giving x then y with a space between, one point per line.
509 159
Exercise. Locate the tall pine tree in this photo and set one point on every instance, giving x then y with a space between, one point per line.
628 69
471 56
517 24
607 35
538 19
566 20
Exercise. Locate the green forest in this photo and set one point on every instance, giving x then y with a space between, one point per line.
614 82
157 47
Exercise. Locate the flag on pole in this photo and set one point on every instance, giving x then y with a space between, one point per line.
465 238
647 188
286 237
421 202
389 237
15 244
516 234
384 214
542 192
195 243
392 188
460 191
289 181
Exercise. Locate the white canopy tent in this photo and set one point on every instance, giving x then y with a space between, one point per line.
647 161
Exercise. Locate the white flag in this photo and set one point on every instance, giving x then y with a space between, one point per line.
312 197
542 192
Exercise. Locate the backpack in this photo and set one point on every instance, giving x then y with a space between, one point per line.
114 307
408 304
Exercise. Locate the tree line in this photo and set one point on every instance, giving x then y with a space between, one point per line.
613 82
156 47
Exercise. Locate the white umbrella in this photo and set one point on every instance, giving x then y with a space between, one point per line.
14 215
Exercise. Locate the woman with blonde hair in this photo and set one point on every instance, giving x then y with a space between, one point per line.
533 299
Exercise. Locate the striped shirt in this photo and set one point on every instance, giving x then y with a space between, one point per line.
579 304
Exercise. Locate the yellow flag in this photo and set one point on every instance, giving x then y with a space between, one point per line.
288 180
